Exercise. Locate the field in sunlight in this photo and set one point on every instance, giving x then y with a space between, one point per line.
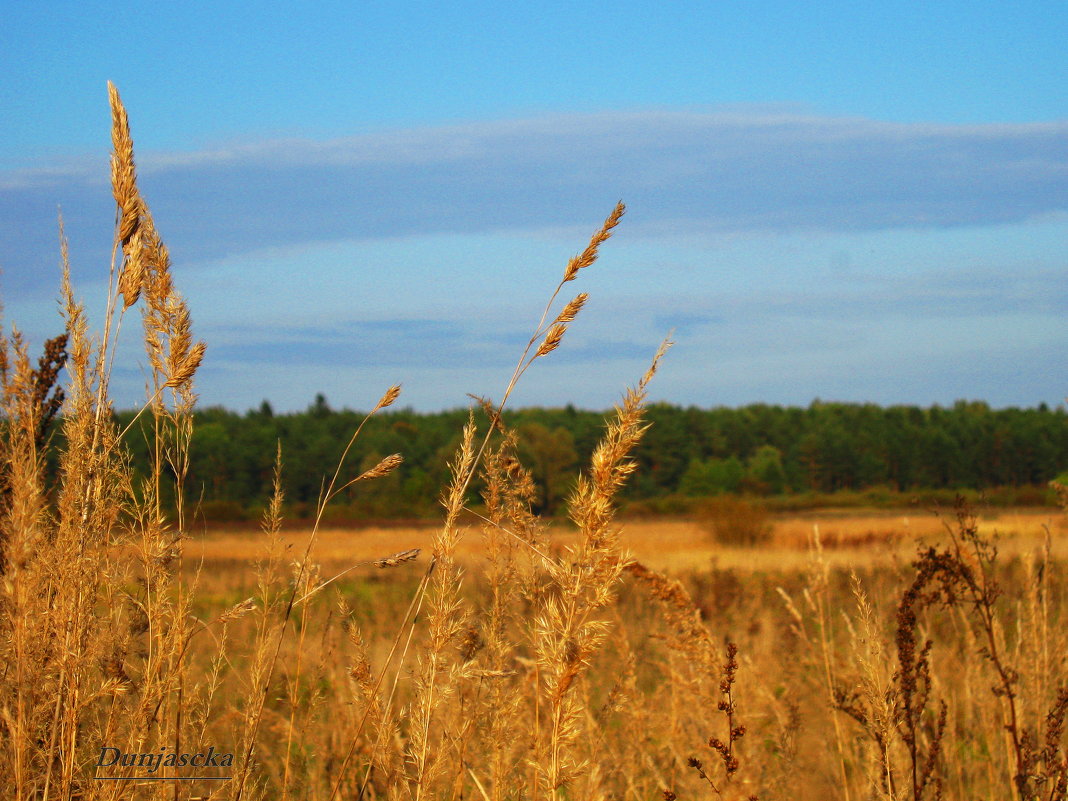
847 537
818 616
736 654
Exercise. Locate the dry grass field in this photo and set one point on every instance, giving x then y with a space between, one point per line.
491 656
850 539
817 624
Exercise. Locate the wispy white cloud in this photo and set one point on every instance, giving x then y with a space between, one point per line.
728 171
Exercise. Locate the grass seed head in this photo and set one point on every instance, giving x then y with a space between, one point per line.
571 310
383 468
552 340
589 255
397 558
388 399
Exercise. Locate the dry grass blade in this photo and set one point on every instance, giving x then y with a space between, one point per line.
302 570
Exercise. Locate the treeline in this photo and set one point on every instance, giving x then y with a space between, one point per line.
764 450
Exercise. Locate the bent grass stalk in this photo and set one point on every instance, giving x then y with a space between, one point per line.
466 469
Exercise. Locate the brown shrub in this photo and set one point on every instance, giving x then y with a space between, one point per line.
731 520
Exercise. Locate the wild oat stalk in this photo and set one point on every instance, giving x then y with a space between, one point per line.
300 584
508 526
874 705
567 628
174 358
436 682
446 617
82 664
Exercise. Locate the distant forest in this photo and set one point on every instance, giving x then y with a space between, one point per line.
826 449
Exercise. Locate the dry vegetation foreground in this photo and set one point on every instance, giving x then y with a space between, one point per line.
823 664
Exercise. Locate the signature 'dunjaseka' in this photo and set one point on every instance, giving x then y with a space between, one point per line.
165 757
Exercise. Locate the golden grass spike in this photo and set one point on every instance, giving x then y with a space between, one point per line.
552 339
589 255
571 310
182 372
181 335
123 171
391 395
132 277
397 558
664 346
238 610
132 210
383 468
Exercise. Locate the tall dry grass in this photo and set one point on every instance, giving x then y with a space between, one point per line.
555 668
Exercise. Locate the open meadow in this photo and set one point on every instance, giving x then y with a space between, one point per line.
850 539
143 655
818 615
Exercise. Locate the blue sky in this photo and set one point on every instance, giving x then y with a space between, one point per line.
850 201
